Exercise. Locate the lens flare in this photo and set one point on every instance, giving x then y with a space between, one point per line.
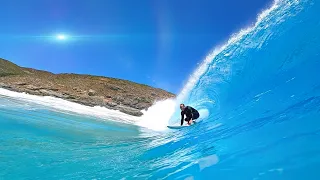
61 37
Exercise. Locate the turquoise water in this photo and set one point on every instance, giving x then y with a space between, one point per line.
262 94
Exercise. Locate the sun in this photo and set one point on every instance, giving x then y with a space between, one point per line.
61 37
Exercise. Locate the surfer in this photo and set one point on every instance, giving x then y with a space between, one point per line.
190 112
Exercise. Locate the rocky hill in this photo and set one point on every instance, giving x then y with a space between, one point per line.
123 95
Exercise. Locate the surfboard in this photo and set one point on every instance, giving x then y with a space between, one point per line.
179 126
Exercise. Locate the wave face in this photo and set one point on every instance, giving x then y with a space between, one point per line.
259 100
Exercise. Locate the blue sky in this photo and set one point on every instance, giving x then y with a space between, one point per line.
158 43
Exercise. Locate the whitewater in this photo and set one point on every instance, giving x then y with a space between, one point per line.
259 100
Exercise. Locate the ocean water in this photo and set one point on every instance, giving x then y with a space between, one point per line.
259 101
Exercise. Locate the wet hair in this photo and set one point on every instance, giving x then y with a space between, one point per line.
182 104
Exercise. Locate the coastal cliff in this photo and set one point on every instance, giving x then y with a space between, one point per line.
125 96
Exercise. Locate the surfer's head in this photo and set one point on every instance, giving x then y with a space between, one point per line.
182 107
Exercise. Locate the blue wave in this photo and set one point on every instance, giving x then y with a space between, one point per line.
261 91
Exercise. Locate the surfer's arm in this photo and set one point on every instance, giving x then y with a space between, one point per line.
182 118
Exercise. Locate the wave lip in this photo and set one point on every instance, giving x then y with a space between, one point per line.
235 38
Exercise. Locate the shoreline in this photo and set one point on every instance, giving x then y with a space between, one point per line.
86 101
72 107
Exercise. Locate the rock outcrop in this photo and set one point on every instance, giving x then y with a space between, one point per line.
125 96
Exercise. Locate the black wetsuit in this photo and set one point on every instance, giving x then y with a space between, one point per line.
190 112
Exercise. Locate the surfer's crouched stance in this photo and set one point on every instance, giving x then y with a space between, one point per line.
190 112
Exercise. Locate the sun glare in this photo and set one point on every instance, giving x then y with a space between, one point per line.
61 37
